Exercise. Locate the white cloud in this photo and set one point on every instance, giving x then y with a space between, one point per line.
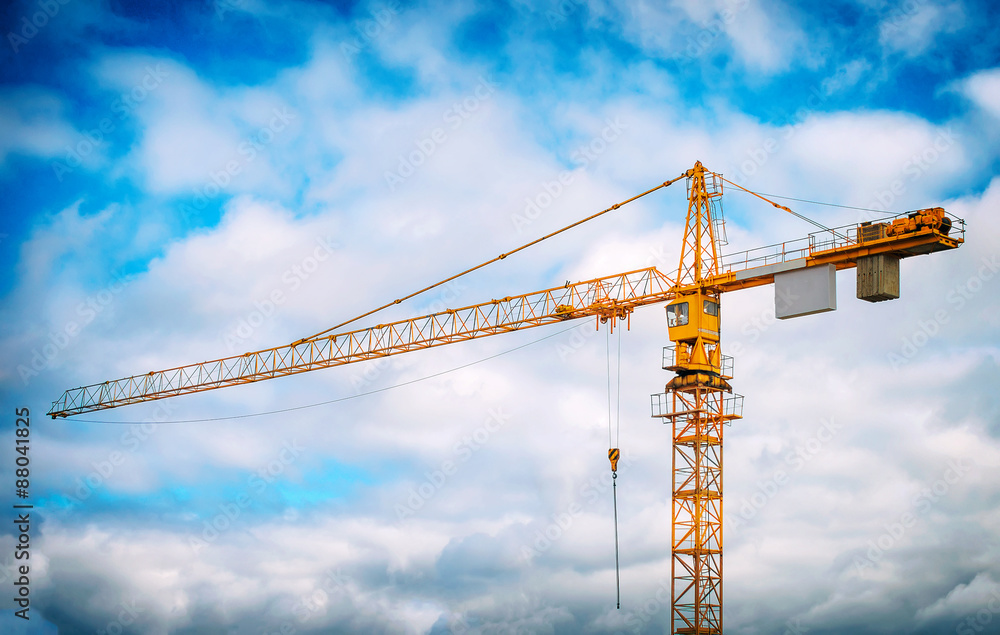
749 28
411 39
66 232
541 481
914 28
195 139
983 88
881 160
755 35
34 125
966 599
847 76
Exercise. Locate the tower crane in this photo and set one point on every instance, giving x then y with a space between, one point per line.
697 402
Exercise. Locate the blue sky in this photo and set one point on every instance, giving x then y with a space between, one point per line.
168 171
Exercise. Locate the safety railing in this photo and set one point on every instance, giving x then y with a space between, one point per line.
732 407
816 242
670 361
767 255
662 405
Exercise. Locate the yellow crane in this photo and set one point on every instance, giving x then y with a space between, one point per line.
697 402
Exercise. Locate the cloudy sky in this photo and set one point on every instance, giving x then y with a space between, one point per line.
199 180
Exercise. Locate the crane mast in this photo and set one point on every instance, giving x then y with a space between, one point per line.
697 403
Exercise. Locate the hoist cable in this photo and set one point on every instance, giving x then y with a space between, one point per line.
618 416
618 578
803 200
491 261
782 207
614 451
607 340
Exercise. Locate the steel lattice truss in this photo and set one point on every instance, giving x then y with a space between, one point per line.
612 296
696 544
699 257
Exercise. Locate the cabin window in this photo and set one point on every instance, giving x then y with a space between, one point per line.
677 314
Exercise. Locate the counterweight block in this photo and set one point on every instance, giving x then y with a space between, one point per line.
878 277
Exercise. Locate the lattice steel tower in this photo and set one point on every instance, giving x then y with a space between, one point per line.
696 406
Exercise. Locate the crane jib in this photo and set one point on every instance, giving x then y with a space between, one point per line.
615 295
